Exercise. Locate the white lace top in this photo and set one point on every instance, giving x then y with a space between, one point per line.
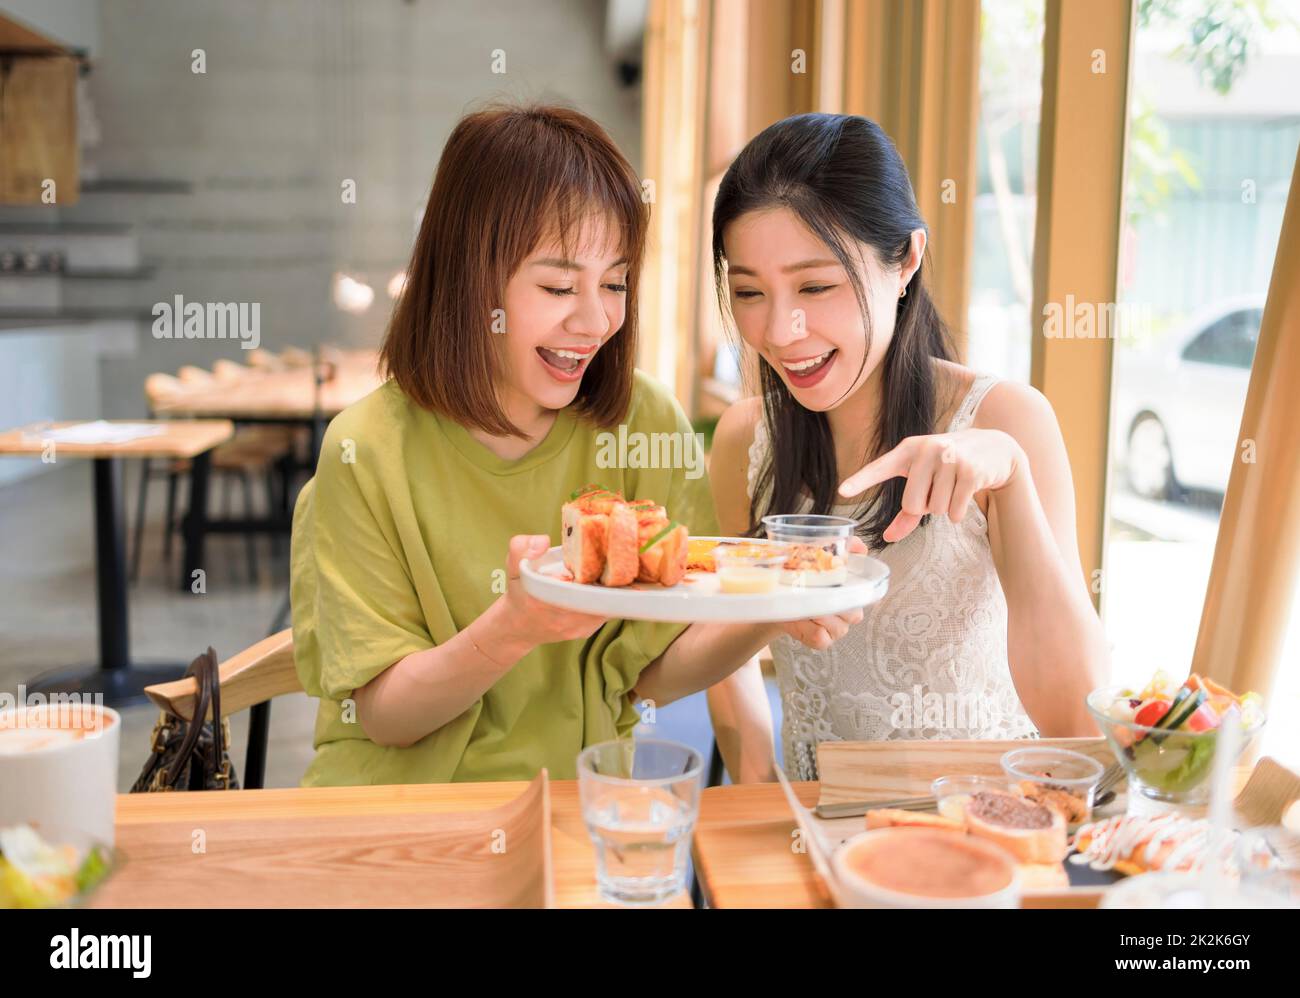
928 661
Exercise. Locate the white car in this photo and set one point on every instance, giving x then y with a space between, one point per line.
1178 405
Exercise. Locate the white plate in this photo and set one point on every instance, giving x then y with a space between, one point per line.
697 597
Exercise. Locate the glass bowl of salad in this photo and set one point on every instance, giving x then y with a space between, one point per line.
1165 735
36 874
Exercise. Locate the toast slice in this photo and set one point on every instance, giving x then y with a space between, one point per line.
1043 876
583 543
584 532
1031 832
661 544
621 560
889 817
613 542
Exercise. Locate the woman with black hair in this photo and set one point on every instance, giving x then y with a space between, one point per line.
960 482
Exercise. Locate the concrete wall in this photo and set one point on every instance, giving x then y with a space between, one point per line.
297 96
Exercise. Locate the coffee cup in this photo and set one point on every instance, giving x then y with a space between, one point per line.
58 771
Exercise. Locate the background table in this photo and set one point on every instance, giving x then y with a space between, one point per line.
296 394
306 397
141 883
117 679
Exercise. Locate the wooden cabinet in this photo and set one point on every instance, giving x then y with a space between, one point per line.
38 117
38 128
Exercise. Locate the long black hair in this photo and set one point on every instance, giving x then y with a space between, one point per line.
841 175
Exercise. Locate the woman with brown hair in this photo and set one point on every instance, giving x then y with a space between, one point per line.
512 345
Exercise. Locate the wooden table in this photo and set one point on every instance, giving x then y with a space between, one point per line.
743 849
292 395
744 857
149 877
116 679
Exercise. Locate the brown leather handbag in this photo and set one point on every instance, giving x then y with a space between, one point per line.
192 755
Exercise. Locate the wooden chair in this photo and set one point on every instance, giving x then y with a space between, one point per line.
227 372
295 357
249 681
197 376
264 360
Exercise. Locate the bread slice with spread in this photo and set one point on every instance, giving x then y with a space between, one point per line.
609 540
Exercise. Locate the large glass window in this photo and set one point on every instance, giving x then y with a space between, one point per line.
1213 130
1011 92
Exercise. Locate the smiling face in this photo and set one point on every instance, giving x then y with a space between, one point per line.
794 304
560 308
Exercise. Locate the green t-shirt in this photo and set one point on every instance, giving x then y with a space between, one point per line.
400 540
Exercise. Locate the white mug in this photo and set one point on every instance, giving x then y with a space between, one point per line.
64 787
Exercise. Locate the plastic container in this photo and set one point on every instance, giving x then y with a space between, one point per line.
749 568
1046 773
819 547
952 792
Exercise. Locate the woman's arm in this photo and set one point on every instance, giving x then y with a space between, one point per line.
1055 642
423 691
738 707
742 724
1015 457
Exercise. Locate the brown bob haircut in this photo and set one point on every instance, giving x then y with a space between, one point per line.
509 177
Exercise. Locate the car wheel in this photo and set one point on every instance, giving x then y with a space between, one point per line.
1150 461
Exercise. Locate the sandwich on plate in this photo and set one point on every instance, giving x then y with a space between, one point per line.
611 541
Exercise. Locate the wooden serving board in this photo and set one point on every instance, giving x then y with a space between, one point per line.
852 771
499 857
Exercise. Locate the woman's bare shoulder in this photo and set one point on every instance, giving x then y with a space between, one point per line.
1015 408
736 426
952 383
729 462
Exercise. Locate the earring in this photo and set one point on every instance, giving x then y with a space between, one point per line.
902 293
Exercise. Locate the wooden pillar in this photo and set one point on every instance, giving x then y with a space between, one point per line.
1256 565
1081 147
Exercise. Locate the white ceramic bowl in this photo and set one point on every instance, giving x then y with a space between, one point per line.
854 891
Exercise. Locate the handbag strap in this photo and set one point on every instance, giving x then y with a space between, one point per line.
201 669
218 727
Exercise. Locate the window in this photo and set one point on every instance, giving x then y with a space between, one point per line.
1230 342
1002 258
1211 148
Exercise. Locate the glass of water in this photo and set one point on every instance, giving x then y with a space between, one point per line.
640 798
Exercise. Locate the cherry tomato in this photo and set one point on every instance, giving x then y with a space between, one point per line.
1152 713
1204 719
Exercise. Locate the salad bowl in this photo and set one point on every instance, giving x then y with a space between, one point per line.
1166 735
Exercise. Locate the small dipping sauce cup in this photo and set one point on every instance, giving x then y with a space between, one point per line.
952 792
749 568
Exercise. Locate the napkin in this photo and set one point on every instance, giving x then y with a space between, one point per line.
103 432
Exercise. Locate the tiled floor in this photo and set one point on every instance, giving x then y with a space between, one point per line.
48 621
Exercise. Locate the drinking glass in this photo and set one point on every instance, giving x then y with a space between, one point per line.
640 798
